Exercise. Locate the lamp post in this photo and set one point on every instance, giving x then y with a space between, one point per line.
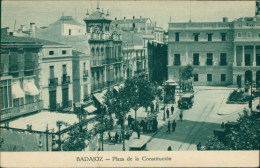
164 99
59 123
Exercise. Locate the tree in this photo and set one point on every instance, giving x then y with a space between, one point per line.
76 139
246 137
187 72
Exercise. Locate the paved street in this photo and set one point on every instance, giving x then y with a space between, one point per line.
199 122
208 112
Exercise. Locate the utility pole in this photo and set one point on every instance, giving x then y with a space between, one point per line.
47 131
59 123
164 98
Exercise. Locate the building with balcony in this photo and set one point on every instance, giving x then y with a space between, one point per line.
222 53
57 76
20 77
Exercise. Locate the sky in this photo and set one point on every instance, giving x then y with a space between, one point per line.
43 13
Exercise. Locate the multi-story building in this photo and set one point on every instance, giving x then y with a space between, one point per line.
20 76
57 85
157 55
222 53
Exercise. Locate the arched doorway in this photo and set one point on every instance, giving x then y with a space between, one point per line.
257 78
248 76
239 81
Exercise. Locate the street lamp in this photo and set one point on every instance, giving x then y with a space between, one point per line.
164 99
251 97
59 124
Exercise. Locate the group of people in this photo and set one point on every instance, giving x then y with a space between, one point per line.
173 124
168 112
149 125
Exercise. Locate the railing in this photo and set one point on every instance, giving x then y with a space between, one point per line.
85 73
201 25
209 63
222 63
177 63
29 65
196 63
65 80
53 81
96 62
15 67
21 110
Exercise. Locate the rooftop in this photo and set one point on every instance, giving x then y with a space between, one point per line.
97 15
66 20
126 21
14 39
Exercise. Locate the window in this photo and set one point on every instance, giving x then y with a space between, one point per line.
247 59
223 37
116 25
258 35
196 77
196 37
51 52
64 52
249 34
69 31
209 77
64 69
84 66
133 25
6 94
223 58
196 60
51 71
239 35
177 36
209 37
177 60
209 58
223 77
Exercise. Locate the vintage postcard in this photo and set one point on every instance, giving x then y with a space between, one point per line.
130 83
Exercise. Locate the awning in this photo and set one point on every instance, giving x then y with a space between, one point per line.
116 88
17 92
99 97
30 88
90 109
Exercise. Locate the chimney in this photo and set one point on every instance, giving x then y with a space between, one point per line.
124 19
22 27
155 24
32 29
133 17
140 18
115 18
225 19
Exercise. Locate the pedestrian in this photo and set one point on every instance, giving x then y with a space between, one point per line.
168 113
129 119
222 125
116 137
109 136
173 126
169 127
157 107
152 107
142 125
172 109
138 131
199 146
169 148
181 115
155 124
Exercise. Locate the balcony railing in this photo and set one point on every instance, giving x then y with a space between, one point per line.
15 67
29 65
209 63
53 81
104 61
177 63
21 110
65 79
222 63
85 73
196 63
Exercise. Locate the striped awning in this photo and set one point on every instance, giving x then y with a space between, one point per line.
17 92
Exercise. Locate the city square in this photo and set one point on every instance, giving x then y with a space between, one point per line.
98 80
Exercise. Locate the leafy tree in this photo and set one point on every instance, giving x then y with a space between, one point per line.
76 139
187 72
246 137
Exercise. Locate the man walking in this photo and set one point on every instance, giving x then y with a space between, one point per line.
181 115
168 113
173 126
169 127
138 131
157 107
172 109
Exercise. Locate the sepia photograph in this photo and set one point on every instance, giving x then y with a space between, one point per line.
154 80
